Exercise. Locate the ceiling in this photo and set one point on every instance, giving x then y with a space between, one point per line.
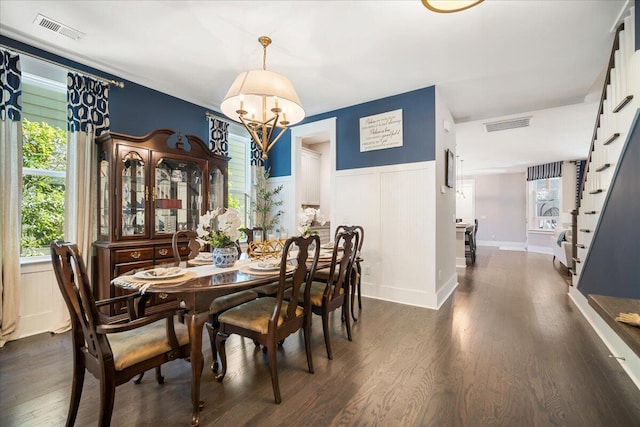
500 58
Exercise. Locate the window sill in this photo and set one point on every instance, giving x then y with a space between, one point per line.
34 260
541 231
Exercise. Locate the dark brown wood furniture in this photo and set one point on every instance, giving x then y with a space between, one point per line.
196 296
184 245
332 293
148 188
356 274
113 354
270 320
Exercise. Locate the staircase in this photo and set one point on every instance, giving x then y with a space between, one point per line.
618 108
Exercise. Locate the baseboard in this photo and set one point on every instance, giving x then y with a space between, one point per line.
618 348
401 296
443 294
498 243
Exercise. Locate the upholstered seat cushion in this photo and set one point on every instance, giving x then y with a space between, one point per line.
226 302
254 315
323 274
267 290
137 345
317 291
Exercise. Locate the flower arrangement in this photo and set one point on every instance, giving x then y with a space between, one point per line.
306 217
219 228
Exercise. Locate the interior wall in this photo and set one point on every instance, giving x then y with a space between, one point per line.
501 209
325 177
569 181
445 205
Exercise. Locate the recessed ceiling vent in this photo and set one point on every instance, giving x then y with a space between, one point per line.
57 27
521 122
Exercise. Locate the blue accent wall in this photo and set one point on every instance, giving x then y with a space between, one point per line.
612 267
419 137
136 109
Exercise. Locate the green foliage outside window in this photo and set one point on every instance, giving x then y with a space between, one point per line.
44 149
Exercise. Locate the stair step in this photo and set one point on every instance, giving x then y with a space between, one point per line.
623 103
599 190
585 230
603 167
577 260
590 213
612 138
581 246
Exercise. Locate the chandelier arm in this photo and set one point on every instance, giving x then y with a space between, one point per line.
282 131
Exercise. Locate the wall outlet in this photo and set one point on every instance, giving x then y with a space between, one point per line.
367 271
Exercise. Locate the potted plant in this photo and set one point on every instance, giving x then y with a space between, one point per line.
265 205
219 228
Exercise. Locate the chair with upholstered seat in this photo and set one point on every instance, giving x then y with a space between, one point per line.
113 353
332 293
270 320
220 304
322 274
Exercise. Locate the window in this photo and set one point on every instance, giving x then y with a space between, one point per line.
44 147
544 203
240 177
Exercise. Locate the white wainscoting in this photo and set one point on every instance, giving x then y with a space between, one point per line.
42 308
395 205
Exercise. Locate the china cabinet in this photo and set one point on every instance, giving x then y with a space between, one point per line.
149 187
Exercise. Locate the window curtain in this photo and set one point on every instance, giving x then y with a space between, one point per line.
219 136
548 170
10 191
87 118
257 168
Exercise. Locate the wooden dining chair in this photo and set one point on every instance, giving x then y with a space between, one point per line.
332 292
180 242
270 320
356 274
112 353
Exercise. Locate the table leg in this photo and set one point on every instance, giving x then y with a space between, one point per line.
195 324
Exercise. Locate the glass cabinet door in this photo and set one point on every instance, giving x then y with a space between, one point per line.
103 196
133 195
177 195
216 189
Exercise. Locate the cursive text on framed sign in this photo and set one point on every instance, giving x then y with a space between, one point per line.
381 131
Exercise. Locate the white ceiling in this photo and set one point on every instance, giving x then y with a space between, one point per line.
500 58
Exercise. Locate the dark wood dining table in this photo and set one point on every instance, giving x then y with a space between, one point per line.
196 295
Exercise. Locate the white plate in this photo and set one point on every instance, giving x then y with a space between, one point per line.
264 266
160 273
204 256
327 245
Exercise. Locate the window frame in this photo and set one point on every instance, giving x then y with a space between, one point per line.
532 209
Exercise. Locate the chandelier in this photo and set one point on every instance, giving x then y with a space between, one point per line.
448 6
263 101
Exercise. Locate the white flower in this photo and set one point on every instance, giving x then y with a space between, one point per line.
219 227
229 222
306 218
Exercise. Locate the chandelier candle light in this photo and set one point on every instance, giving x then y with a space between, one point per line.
262 101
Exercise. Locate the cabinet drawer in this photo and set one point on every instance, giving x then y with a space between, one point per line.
123 268
164 252
132 255
183 248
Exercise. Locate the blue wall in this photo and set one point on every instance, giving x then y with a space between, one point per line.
136 109
419 140
612 267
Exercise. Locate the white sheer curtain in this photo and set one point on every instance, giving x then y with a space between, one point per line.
88 117
10 192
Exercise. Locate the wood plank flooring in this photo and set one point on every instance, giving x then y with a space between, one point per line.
507 349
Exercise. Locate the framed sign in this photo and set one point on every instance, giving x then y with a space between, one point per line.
449 169
381 131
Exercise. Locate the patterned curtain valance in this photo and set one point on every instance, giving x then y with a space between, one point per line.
87 104
219 136
549 170
256 153
10 86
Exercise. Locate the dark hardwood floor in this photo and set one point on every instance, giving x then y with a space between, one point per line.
507 349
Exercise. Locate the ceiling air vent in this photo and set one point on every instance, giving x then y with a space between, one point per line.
521 122
57 27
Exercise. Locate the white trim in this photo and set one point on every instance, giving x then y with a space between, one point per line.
540 249
443 294
496 243
461 262
615 344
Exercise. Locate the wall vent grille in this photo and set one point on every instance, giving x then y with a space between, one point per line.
57 27
521 122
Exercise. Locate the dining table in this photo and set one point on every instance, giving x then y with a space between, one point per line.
195 288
